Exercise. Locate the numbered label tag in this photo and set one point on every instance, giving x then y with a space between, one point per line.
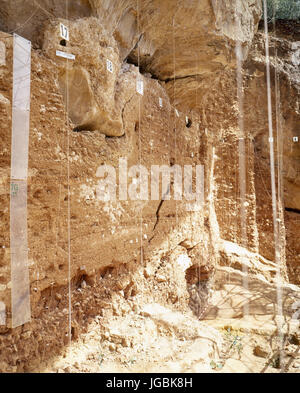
64 32
160 101
109 66
140 87
14 189
295 139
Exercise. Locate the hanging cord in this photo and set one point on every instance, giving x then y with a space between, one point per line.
59 204
281 236
242 152
174 104
274 197
174 95
140 139
279 141
69 195
202 253
140 148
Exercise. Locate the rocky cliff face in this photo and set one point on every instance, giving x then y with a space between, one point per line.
126 253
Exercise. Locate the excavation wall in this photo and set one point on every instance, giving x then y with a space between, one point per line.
116 255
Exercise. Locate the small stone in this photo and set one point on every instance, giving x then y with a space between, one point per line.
106 335
112 347
83 284
260 351
161 278
294 339
125 342
26 335
147 272
58 296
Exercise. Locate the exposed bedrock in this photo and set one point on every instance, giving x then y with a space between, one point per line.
126 253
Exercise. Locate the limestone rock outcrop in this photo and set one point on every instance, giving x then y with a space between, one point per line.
86 113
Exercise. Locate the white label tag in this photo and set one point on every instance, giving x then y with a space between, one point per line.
109 66
186 120
65 55
160 102
2 314
295 139
140 87
177 113
64 32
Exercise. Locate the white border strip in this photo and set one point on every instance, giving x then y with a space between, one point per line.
20 286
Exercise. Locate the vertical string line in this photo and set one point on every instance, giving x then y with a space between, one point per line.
69 195
169 159
199 311
281 242
174 95
242 152
140 144
174 103
274 197
59 193
279 143
140 141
